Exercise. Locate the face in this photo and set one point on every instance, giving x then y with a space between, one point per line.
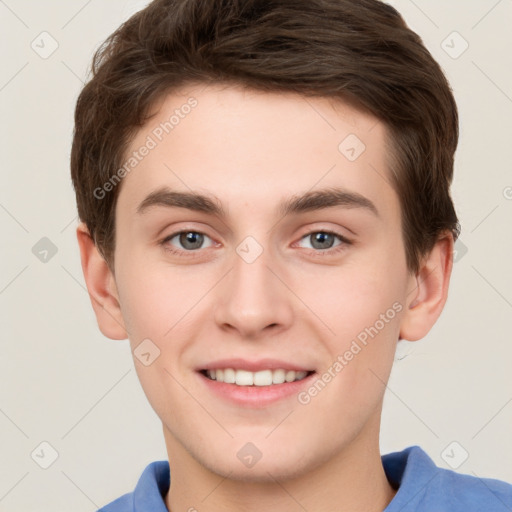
258 240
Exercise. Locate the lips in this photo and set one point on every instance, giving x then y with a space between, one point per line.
254 384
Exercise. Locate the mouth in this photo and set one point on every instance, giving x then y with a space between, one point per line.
254 384
266 377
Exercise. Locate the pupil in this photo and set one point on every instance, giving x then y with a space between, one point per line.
191 240
323 240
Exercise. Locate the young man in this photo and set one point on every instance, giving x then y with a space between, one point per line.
264 195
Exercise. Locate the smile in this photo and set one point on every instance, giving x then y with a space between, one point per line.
259 378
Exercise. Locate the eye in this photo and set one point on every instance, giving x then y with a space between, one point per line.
189 240
325 240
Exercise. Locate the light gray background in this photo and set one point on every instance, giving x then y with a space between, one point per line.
63 383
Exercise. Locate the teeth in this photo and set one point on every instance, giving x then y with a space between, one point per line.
229 376
243 378
261 378
278 376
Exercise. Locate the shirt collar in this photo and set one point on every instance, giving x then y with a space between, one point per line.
411 471
152 487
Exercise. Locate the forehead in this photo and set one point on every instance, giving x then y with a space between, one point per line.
251 147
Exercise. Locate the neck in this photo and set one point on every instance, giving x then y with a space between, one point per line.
352 479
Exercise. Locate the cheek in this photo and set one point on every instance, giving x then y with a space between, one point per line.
363 306
158 305
356 297
156 299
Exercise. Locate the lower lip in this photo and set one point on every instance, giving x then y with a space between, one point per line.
256 396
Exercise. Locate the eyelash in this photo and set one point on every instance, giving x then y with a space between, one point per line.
194 253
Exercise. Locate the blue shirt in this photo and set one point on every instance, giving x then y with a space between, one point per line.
422 487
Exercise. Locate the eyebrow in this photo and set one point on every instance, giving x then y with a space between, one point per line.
309 201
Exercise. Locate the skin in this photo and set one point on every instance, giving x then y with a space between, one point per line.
295 302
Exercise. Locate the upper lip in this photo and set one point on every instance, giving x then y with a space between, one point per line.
255 365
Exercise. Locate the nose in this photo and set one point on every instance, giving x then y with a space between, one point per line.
253 299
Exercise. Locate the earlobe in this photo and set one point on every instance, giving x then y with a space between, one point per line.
101 287
429 292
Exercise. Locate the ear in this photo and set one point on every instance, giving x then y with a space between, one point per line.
101 286
429 290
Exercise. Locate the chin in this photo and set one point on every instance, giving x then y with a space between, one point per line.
268 464
262 472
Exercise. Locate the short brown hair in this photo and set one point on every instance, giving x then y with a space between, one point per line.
359 51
